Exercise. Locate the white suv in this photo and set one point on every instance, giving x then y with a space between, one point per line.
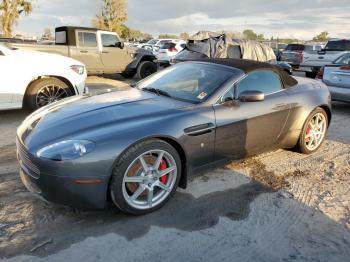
35 79
168 51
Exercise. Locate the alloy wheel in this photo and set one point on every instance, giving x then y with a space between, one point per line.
315 131
149 179
49 94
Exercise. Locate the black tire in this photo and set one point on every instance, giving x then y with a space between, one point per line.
310 74
128 74
146 68
301 146
122 165
30 97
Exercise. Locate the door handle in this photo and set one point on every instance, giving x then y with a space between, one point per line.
105 52
199 129
84 51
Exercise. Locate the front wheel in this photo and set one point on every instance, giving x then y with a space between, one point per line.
45 91
145 177
314 132
146 68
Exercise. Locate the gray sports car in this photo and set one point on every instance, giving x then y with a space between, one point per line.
136 146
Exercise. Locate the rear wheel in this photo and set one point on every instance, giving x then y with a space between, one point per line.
146 68
314 132
45 91
145 177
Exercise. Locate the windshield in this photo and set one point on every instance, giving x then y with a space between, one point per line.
343 60
191 82
295 47
152 42
338 45
168 45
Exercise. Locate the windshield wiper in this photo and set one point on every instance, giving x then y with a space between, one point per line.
157 91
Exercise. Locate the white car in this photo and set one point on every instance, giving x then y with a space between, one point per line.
337 77
161 42
169 50
34 79
155 44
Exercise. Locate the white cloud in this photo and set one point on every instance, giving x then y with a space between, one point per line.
293 18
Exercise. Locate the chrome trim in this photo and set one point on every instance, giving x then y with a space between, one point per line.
25 160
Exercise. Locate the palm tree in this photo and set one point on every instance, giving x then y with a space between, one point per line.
10 10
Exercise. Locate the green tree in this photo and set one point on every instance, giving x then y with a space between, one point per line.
261 37
10 10
250 34
112 16
184 36
168 36
322 37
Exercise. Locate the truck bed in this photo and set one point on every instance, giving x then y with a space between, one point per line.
54 49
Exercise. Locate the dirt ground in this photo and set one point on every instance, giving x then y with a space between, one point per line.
277 206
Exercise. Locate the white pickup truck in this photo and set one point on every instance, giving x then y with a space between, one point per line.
314 60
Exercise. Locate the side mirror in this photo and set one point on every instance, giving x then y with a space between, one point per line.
251 96
119 45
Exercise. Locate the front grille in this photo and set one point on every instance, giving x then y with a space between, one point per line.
25 159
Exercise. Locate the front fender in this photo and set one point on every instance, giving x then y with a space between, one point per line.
139 58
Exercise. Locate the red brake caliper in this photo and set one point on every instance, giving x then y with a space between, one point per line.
163 165
308 132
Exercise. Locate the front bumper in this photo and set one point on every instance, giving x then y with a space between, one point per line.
64 190
81 88
67 190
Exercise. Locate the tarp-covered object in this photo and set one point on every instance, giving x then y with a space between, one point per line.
255 51
214 45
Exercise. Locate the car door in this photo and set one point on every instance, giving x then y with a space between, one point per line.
115 57
6 87
87 51
245 128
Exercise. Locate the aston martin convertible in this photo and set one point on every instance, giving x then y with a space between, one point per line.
135 147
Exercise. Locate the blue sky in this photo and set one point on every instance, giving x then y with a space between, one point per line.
289 18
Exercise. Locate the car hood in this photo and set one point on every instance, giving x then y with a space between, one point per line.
73 117
44 58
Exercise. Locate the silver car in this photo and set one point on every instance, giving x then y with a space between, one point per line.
337 77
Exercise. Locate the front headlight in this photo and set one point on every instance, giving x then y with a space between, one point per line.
79 69
66 150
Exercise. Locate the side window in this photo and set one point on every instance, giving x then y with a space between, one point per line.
87 39
267 82
162 42
109 40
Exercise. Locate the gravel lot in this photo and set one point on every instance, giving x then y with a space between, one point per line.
278 206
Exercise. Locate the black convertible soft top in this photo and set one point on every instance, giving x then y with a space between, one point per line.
248 66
